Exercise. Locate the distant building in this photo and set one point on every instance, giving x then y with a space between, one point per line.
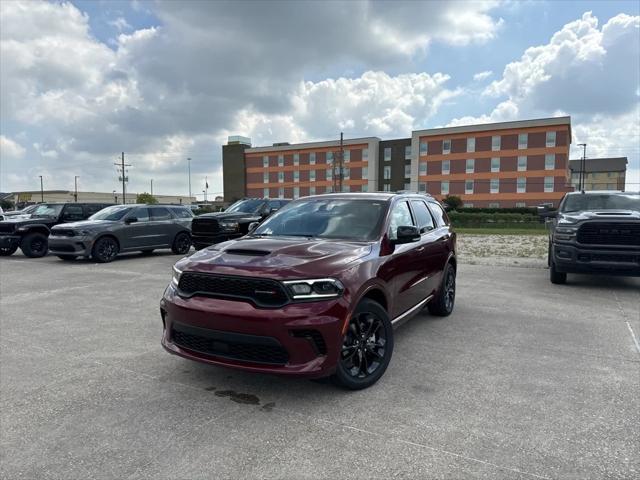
35 196
601 173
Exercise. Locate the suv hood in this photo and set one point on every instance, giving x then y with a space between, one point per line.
621 215
86 224
28 220
227 216
278 258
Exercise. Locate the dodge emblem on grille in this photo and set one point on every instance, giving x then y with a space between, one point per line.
264 292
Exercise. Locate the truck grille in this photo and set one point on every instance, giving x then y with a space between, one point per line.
609 233
6 227
248 348
261 292
204 226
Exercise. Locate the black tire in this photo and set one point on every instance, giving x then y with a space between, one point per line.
67 258
148 251
7 251
556 277
367 347
34 245
444 301
181 244
105 250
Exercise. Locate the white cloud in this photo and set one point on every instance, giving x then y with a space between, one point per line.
10 149
120 24
482 75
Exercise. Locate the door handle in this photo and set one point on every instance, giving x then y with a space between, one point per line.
420 249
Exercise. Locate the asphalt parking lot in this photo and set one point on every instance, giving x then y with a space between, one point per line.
525 380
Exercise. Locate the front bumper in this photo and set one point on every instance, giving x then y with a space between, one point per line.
201 241
299 339
570 258
76 245
9 241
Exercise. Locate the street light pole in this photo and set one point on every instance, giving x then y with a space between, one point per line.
41 190
189 164
75 191
583 175
152 187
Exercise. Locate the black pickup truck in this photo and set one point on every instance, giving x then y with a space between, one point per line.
31 233
234 222
594 232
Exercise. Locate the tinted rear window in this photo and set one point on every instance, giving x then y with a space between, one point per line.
182 212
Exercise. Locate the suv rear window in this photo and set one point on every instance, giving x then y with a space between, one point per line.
423 217
159 213
439 214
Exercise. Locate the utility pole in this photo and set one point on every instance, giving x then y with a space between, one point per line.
122 166
75 190
152 187
189 163
206 187
41 190
583 175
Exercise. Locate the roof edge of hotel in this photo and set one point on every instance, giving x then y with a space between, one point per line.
480 127
294 146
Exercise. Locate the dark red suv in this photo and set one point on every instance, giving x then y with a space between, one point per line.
316 289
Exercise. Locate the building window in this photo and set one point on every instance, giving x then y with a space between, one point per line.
387 154
365 188
329 157
346 188
265 177
346 173
296 159
548 184
495 143
296 192
407 152
521 185
329 174
495 164
446 167
424 148
551 139
386 187
422 187
312 158
422 168
281 160
471 144
312 175
494 185
468 186
550 161
296 176
522 164
467 205
280 177
265 192
407 171
387 172
523 140
521 204
407 186
365 154
312 190
265 161
329 189
471 165
365 173
444 187
281 192
346 156
494 205
446 146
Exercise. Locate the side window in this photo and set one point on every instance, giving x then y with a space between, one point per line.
73 213
142 214
439 214
92 208
182 212
274 204
400 217
159 213
423 217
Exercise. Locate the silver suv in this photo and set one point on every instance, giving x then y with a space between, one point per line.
124 228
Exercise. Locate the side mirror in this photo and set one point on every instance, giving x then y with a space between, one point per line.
253 226
273 210
407 234
545 212
130 220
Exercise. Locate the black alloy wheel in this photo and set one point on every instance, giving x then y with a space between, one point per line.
181 244
444 301
367 347
6 251
105 250
34 245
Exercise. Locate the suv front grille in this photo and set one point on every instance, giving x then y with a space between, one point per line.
609 233
248 348
6 227
204 226
63 232
262 292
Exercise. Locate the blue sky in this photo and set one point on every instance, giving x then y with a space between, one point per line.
163 81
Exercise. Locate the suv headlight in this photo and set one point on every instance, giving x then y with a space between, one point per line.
314 289
177 273
229 226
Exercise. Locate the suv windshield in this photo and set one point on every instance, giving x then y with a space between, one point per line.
245 206
327 218
604 201
111 213
47 210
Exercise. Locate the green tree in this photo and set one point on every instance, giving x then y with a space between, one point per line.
146 198
6 204
452 201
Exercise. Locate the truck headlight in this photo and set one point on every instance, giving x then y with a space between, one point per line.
229 226
565 233
177 273
314 289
